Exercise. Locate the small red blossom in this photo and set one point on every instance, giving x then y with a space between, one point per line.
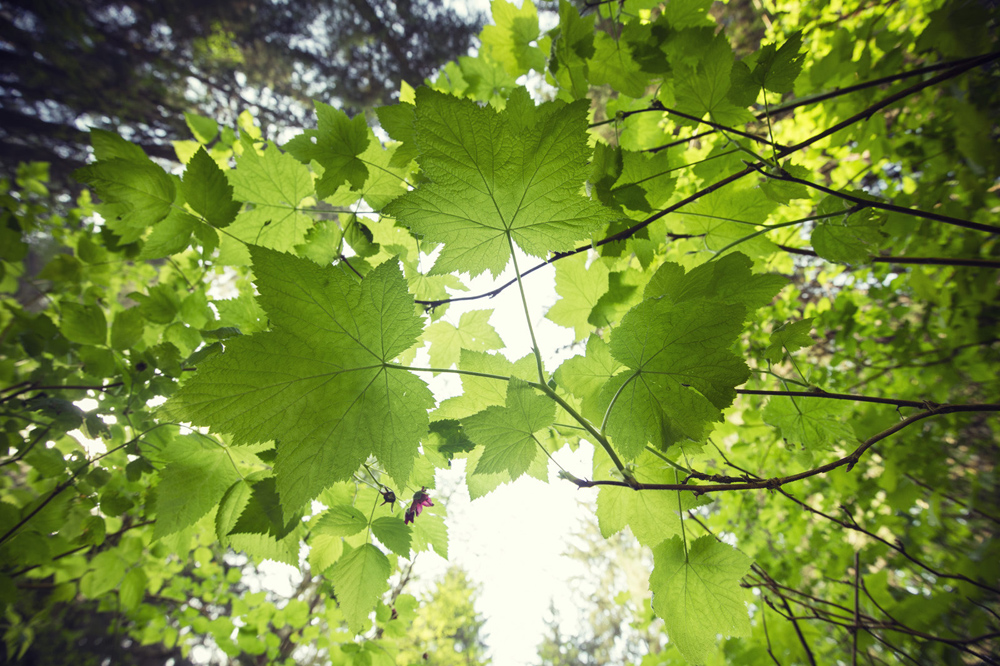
420 500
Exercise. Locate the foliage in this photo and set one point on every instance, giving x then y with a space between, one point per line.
788 379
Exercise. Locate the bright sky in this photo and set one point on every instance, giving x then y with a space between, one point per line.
511 541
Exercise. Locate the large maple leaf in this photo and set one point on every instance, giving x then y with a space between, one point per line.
496 177
319 382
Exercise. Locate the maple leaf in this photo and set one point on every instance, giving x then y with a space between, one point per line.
574 44
580 287
508 433
510 40
651 515
499 177
275 184
680 371
789 337
676 348
336 146
810 422
612 63
774 70
473 332
196 478
318 381
698 593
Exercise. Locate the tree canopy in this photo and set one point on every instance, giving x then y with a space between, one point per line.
779 264
139 66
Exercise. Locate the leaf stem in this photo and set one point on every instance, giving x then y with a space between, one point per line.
588 426
680 512
676 466
770 132
451 371
546 451
607 412
527 316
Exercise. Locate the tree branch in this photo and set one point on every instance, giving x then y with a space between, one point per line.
777 482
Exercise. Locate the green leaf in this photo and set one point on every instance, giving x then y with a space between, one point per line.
507 432
727 280
84 324
133 588
231 507
317 381
613 64
492 174
652 515
474 333
335 145
852 239
703 90
774 70
207 191
276 185
108 146
398 122
431 531
574 45
482 392
730 215
512 40
159 306
341 520
789 337
262 513
580 287
265 547
650 177
143 190
386 180
679 373
813 423
394 533
204 129
196 478
584 376
698 594
324 551
360 578
170 236
784 191
104 574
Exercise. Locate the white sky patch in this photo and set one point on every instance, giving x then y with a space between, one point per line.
511 541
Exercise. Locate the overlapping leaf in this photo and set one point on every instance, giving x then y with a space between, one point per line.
653 516
336 145
317 382
675 345
515 173
275 185
507 433
698 594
